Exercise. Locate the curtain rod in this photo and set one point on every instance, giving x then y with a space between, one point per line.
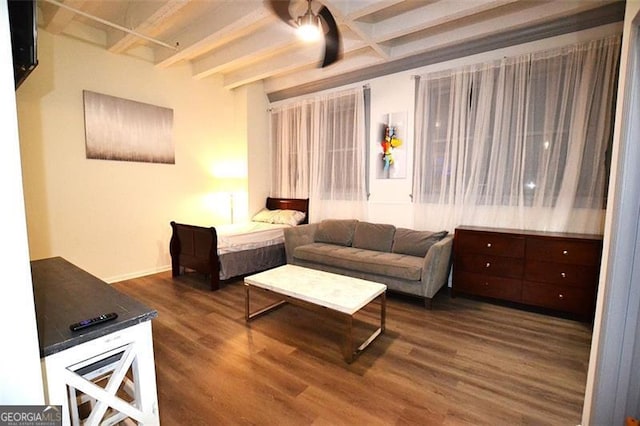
113 25
364 86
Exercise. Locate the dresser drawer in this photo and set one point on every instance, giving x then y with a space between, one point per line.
489 243
487 286
564 251
508 267
561 298
561 273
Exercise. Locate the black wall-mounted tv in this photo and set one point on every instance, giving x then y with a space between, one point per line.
23 25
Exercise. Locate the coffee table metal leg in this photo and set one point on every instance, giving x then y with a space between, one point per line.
246 303
349 353
347 350
248 315
383 311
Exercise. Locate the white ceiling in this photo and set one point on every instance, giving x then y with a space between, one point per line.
243 42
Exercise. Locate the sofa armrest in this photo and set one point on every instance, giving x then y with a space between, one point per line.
437 265
297 236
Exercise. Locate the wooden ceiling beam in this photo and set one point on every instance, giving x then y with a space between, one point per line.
148 16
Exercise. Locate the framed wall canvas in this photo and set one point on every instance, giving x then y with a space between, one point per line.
125 130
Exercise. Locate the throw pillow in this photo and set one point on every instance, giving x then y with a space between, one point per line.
415 243
336 231
373 236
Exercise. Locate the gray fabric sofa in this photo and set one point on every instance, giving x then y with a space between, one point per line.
407 261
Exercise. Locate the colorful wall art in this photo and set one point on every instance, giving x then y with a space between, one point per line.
392 158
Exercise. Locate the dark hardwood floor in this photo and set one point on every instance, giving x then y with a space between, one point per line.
463 362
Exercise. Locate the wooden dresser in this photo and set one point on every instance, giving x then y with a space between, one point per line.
557 271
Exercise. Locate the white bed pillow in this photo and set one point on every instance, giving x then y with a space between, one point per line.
288 217
282 217
263 215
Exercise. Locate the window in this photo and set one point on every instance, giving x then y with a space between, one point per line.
319 152
526 132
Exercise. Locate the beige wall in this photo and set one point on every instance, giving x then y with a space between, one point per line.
109 217
258 147
252 125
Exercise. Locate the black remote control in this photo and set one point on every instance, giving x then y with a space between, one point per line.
93 321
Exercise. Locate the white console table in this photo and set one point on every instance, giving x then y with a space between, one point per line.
103 374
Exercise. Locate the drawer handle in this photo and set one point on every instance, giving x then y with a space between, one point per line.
561 296
488 265
563 275
489 245
565 252
486 284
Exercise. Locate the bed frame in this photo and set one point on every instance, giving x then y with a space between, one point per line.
196 247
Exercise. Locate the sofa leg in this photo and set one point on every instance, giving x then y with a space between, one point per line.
428 302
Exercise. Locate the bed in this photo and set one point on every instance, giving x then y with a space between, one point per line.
236 250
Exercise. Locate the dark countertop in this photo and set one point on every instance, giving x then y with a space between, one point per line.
65 294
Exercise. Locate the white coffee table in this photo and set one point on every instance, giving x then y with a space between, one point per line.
319 291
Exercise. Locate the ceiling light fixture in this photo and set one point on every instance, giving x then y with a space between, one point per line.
309 28
322 24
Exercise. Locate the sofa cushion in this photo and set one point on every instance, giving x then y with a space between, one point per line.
373 236
415 243
336 231
356 259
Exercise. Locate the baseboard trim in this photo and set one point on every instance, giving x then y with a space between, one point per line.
137 274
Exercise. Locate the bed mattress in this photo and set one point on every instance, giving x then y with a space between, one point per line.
248 236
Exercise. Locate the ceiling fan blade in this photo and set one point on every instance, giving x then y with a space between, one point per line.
332 42
281 9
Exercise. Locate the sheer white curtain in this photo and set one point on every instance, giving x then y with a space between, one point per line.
519 143
319 152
